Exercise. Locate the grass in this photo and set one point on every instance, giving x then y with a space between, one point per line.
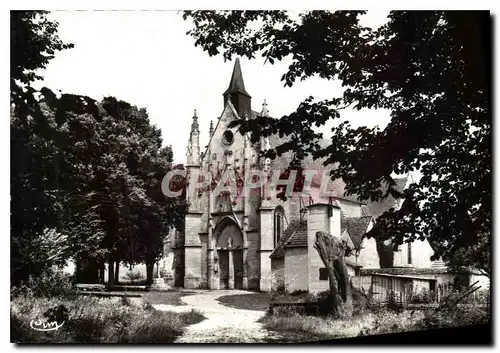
299 328
96 320
169 297
369 318
254 301
261 300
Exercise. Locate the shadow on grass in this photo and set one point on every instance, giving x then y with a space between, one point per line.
253 301
169 298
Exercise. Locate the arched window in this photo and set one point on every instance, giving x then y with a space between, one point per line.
279 215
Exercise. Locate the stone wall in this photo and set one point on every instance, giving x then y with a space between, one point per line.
192 252
278 276
296 269
253 260
266 247
318 220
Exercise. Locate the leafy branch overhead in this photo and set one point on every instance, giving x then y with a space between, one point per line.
430 69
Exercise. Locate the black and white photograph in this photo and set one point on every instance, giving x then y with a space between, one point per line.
250 176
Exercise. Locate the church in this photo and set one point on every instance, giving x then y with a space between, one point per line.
259 242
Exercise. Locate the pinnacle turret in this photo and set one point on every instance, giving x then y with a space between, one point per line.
193 149
264 111
211 130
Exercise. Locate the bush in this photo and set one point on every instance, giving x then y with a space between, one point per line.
125 301
50 284
96 320
363 302
422 297
456 316
320 304
134 276
281 288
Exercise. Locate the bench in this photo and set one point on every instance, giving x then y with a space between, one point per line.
103 288
109 294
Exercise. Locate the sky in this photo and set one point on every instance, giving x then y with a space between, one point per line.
147 59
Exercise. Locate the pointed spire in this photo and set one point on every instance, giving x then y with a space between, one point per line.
193 150
211 129
236 85
236 92
265 111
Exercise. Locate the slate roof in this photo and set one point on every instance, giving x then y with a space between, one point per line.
356 227
293 226
236 84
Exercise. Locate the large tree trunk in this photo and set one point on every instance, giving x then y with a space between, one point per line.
149 272
111 274
101 273
117 272
332 251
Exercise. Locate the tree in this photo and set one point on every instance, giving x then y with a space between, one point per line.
332 251
34 42
430 69
85 175
101 165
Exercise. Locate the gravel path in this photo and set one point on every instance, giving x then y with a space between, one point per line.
223 324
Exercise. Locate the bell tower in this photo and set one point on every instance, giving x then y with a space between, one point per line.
236 92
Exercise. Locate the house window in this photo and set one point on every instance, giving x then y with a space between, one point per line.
279 215
409 253
323 274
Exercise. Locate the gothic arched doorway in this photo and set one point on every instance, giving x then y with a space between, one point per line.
229 254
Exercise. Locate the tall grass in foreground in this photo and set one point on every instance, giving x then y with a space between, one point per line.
303 328
370 318
96 320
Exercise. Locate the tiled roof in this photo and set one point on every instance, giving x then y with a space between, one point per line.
293 226
344 235
296 233
298 239
356 227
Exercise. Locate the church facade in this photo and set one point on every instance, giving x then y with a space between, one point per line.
259 242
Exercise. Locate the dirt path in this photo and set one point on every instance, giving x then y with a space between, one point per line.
223 324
